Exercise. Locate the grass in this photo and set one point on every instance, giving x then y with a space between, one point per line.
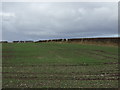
64 65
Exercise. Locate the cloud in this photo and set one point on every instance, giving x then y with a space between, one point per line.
0 22
7 14
58 20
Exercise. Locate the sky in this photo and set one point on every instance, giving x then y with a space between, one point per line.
54 20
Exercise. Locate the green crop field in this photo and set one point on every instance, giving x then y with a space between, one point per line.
59 65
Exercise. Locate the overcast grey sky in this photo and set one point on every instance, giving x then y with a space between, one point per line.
35 21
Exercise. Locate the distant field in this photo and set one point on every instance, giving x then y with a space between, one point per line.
59 65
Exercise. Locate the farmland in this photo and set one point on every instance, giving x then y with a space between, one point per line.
59 65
